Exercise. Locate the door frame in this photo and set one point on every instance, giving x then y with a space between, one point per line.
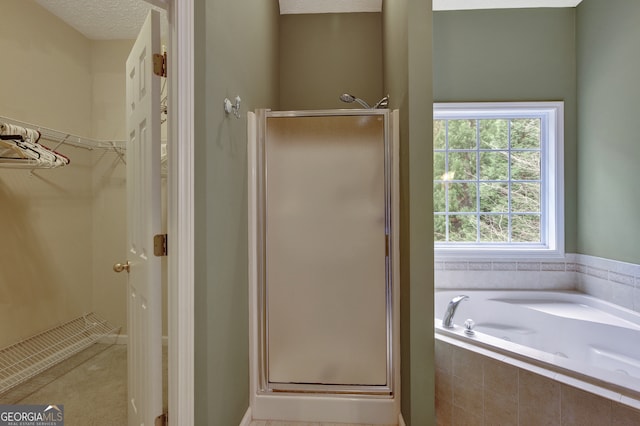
180 209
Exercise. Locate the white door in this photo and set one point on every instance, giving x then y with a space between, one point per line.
144 318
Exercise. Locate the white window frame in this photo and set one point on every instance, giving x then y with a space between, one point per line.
552 177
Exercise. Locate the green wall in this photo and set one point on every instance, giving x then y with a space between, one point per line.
236 53
497 55
512 55
407 32
325 55
608 36
282 64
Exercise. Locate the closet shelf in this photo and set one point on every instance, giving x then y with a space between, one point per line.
26 359
64 138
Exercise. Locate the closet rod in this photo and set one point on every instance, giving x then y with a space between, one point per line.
68 138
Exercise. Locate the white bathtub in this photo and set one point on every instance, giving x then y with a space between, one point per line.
567 332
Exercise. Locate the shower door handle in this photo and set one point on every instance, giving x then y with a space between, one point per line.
119 267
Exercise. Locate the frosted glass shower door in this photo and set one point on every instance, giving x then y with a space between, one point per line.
325 216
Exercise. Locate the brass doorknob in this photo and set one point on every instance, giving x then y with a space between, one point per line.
119 267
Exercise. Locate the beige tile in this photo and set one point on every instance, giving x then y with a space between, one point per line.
444 410
444 356
500 409
444 385
621 415
468 396
538 400
581 408
501 378
461 417
467 365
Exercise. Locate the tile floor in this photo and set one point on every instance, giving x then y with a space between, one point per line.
92 386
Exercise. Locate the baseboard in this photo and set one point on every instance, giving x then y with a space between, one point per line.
123 339
246 420
401 420
117 339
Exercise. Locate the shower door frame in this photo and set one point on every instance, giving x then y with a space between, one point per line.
257 247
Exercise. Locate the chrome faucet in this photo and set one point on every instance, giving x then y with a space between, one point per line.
447 320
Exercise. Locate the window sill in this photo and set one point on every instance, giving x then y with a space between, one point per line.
510 253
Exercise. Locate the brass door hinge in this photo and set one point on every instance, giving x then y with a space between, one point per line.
386 245
161 420
160 64
160 245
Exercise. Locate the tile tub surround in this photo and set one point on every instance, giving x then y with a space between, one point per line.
477 387
609 280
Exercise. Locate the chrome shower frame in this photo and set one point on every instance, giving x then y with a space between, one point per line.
391 387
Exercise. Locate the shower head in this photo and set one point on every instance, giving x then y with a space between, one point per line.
347 98
382 103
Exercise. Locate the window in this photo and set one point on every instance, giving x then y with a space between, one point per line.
498 179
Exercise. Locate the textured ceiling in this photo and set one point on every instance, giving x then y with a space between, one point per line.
329 6
122 19
101 19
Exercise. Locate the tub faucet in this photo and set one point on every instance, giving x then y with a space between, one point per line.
447 320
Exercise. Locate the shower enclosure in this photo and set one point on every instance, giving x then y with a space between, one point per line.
324 265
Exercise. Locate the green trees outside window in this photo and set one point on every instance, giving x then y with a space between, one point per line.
498 180
487 180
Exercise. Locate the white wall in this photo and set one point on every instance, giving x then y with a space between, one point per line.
109 183
62 229
45 264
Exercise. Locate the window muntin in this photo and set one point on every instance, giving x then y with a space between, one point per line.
497 179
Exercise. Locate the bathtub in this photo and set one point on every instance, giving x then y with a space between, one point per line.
568 334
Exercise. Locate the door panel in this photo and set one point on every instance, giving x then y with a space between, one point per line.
144 318
325 218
